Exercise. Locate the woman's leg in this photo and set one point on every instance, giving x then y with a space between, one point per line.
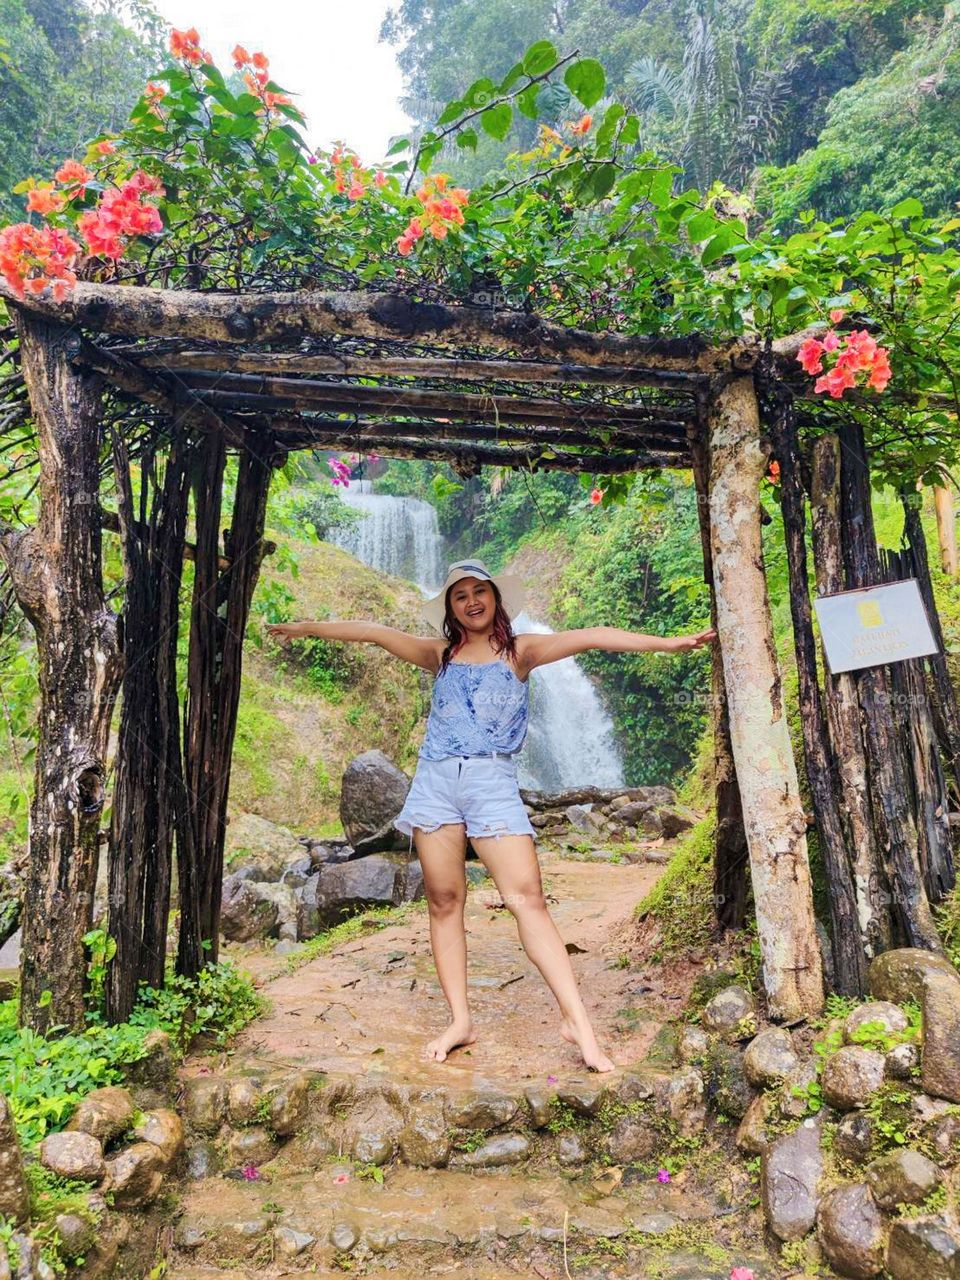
512 861
442 854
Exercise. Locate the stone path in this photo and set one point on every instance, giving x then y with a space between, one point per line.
509 1159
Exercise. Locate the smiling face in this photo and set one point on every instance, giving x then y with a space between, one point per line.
473 604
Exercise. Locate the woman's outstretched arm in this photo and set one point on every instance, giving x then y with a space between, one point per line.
423 651
537 650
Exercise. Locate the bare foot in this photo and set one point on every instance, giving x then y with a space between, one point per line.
586 1042
456 1034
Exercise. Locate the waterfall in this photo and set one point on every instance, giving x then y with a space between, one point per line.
570 741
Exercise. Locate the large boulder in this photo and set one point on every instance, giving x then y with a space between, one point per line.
342 889
941 1035
106 1113
902 1177
920 1249
245 914
851 1077
789 1172
261 846
899 975
14 1195
371 795
73 1155
770 1057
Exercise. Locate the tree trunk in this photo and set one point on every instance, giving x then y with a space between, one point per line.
148 791
849 959
730 839
221 607
56 572
946 529
894 823
766 770
843 713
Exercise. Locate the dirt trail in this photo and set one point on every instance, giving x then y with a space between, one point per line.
370 1005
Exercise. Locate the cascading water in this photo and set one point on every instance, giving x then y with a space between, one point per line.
570 741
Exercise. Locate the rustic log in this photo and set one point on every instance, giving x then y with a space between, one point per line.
849 958
56 572
221 607
894 822
843 713
946 529
148 790
773 815
946 714
730 857
362 366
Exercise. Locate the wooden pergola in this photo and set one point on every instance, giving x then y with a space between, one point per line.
179 379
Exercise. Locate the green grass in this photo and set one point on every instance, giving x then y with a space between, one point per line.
682 899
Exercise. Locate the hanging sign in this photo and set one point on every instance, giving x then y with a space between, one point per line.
874 625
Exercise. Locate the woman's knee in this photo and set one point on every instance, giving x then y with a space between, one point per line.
443 902
525 898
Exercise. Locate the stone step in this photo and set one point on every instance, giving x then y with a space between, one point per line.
515 1222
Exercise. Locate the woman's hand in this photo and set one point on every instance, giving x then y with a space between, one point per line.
681 644
285 631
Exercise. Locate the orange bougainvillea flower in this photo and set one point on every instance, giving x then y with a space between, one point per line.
442 210
73 174
240 56
596 495
583 126
185 45
106 147
36 258
45 200
857 353
836 316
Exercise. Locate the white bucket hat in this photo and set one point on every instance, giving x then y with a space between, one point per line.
508 584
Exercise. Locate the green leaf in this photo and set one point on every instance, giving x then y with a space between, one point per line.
401 144
480 93
604 179
467 138
497 120
585 80
451 112
725 239
527 101
630 133
539 58
605 134
703 225
909 208
511 78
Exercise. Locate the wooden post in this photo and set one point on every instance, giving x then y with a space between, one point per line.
730 839
148 788
843 713
850 962
946 529
56 571
894 823
766 770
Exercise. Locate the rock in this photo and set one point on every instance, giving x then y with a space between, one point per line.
902 1177
898 975
581 818
283 897
254 1145
798 1093
14 1193
922 1250
944 1136
902 1061
693 1044
243 1099
76 1233
729 1012
582 1098
104 1113
890 1016
425 1140
205 1103
680 1094
288 1104
675 819
571 1151
260 844
135 1175
501 1149
769 1057
665 1049
855 1135
631 1137
851 1076
540 1101
158 1065
164 1129
344 1236
371 795
941 1036
642 815
372 1131
728 1088
202 1161
409 885
789 1172
481 1109
73 1155
850 1231
244 913
342 889
292 1243
753 1135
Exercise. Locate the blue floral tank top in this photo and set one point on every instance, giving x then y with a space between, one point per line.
476 708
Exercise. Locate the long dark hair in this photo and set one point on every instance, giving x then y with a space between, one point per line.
503 636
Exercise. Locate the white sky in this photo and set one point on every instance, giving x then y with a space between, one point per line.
326 52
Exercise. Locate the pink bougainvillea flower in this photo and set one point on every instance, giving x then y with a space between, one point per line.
831 341
663 1175
741 1273
311 159
380 179
836 316
35 258
45 200
551 1079
809 356
340 1178
73 174
251 1173
596 495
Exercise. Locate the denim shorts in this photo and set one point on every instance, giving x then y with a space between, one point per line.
479 791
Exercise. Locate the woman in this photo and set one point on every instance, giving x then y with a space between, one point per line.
466 778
